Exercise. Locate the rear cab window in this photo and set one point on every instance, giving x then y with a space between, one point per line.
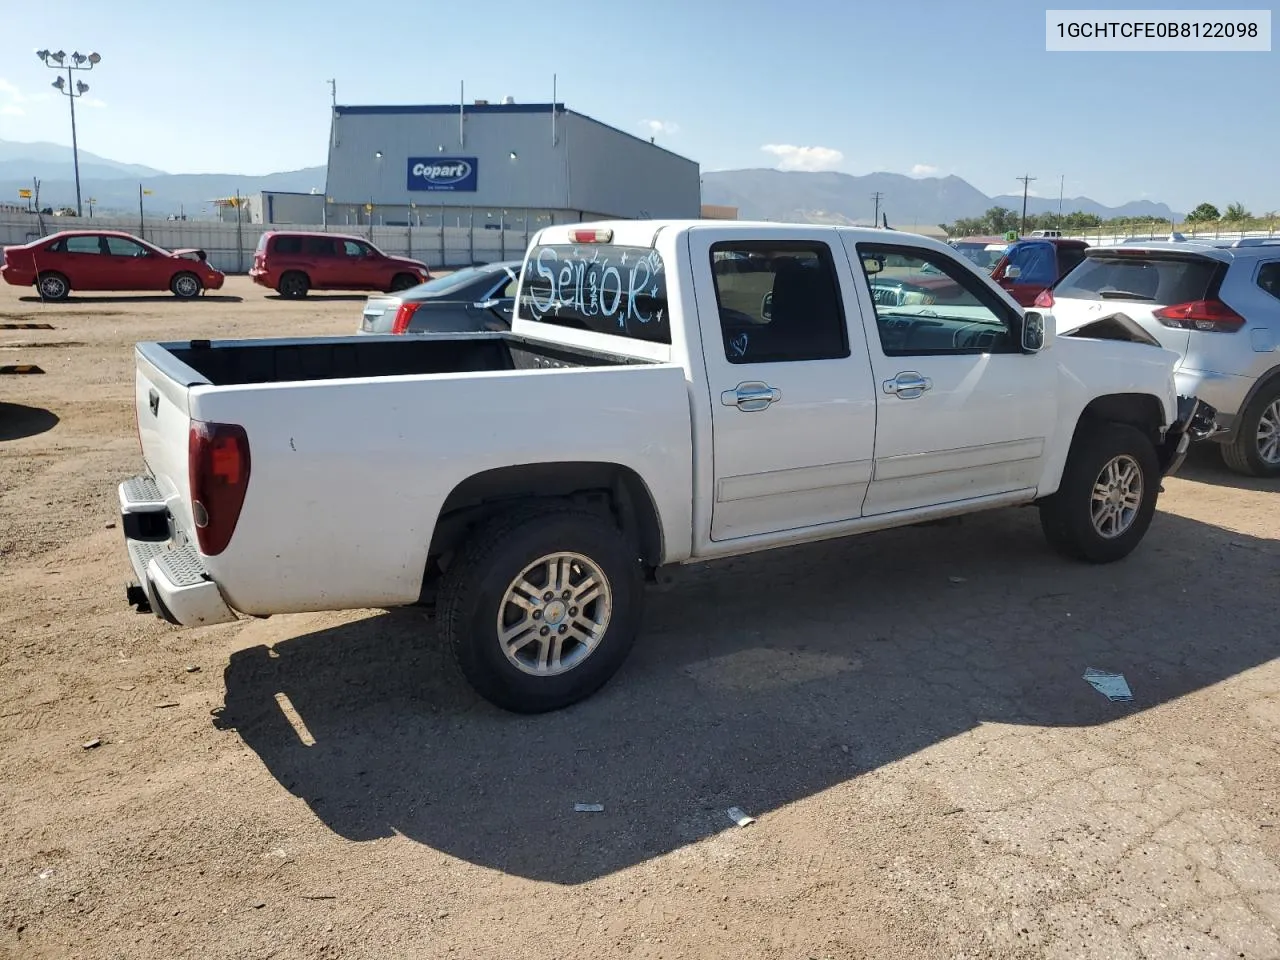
602 288
1149 276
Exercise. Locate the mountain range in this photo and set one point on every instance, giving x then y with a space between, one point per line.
843 198
757 193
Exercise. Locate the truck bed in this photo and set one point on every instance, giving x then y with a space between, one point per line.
240 362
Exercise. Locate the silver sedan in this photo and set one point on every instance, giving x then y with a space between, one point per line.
469 300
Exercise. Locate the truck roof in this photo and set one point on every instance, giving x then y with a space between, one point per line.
631 231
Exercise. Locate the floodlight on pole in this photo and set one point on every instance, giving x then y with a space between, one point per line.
71 88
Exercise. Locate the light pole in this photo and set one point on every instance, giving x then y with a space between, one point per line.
71 88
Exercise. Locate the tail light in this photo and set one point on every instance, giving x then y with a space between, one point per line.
218 468
1044 299
403 315
1212 316
592 236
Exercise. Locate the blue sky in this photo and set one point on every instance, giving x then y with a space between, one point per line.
911 85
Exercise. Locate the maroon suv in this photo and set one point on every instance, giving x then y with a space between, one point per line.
293 263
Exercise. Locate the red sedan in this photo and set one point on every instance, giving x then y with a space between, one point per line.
106 260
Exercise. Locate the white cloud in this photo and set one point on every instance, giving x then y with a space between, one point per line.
94 102
924 170
656 127
809 159
11 110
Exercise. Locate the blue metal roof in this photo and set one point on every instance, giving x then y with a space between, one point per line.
398 109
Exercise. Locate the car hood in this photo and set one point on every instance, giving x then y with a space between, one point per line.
406 262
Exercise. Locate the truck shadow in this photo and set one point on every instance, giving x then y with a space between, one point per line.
756 682
18 421
1204 465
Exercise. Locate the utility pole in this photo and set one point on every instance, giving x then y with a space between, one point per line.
72 89
333 91
1062 182
877 197
1026 181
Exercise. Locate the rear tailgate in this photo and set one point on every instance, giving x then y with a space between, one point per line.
162 405
1136 282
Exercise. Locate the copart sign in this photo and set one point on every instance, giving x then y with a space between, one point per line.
442 173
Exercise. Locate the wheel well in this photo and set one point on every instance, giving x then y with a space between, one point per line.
615 491
1140 410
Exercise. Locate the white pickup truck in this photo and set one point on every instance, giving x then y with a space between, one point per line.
670 392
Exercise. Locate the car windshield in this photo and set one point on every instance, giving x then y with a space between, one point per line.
1151 278
451 283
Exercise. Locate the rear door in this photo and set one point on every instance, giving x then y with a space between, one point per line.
320 262
792 402
964 413
1138 283
81 259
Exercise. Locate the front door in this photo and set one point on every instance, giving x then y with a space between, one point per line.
1035 263
964 413
793 408
127 264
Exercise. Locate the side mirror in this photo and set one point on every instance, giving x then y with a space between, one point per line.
1012 273
1037 331
872 265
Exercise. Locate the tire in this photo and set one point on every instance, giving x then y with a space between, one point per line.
185 286
1255 450
403 281
293 285
474 600
1068 516
53 286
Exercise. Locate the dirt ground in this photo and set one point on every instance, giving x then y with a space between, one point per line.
903 714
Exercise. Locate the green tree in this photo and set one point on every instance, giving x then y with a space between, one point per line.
1236 212
1204 212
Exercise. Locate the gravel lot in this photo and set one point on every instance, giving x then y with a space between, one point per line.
903 713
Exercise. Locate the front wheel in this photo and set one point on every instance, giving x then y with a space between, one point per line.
1107 496
541 606
185 286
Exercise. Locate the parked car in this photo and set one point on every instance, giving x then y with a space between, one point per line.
984 251
1030 267
476 298
293 263
641 412
1217 305
106 260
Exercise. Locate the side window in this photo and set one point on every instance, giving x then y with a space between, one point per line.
1269 278
288 246
508 291
927 304
1036 263
120 247
1068 259
778 301
83 244
353 248
317 246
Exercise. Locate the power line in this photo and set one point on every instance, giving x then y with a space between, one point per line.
1026 181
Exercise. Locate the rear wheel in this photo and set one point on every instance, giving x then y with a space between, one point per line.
1107 496
293 285
403 281
1255 451
185 285
53 286
541 606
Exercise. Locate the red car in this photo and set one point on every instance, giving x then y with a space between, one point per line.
1030 267
293 263
106 260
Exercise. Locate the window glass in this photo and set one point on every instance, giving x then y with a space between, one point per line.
1036 262
509 291
288 245
120 247
83 244
600 287
1162 279
927 304
354 248
317 246
778 301
1269 278
1068 259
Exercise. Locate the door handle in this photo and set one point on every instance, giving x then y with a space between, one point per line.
908 385
751 396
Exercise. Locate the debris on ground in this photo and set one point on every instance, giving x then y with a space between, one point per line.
192 668
739 817
1113 686
588 808
89 745
166 704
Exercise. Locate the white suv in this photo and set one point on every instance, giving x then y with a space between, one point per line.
1218 306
